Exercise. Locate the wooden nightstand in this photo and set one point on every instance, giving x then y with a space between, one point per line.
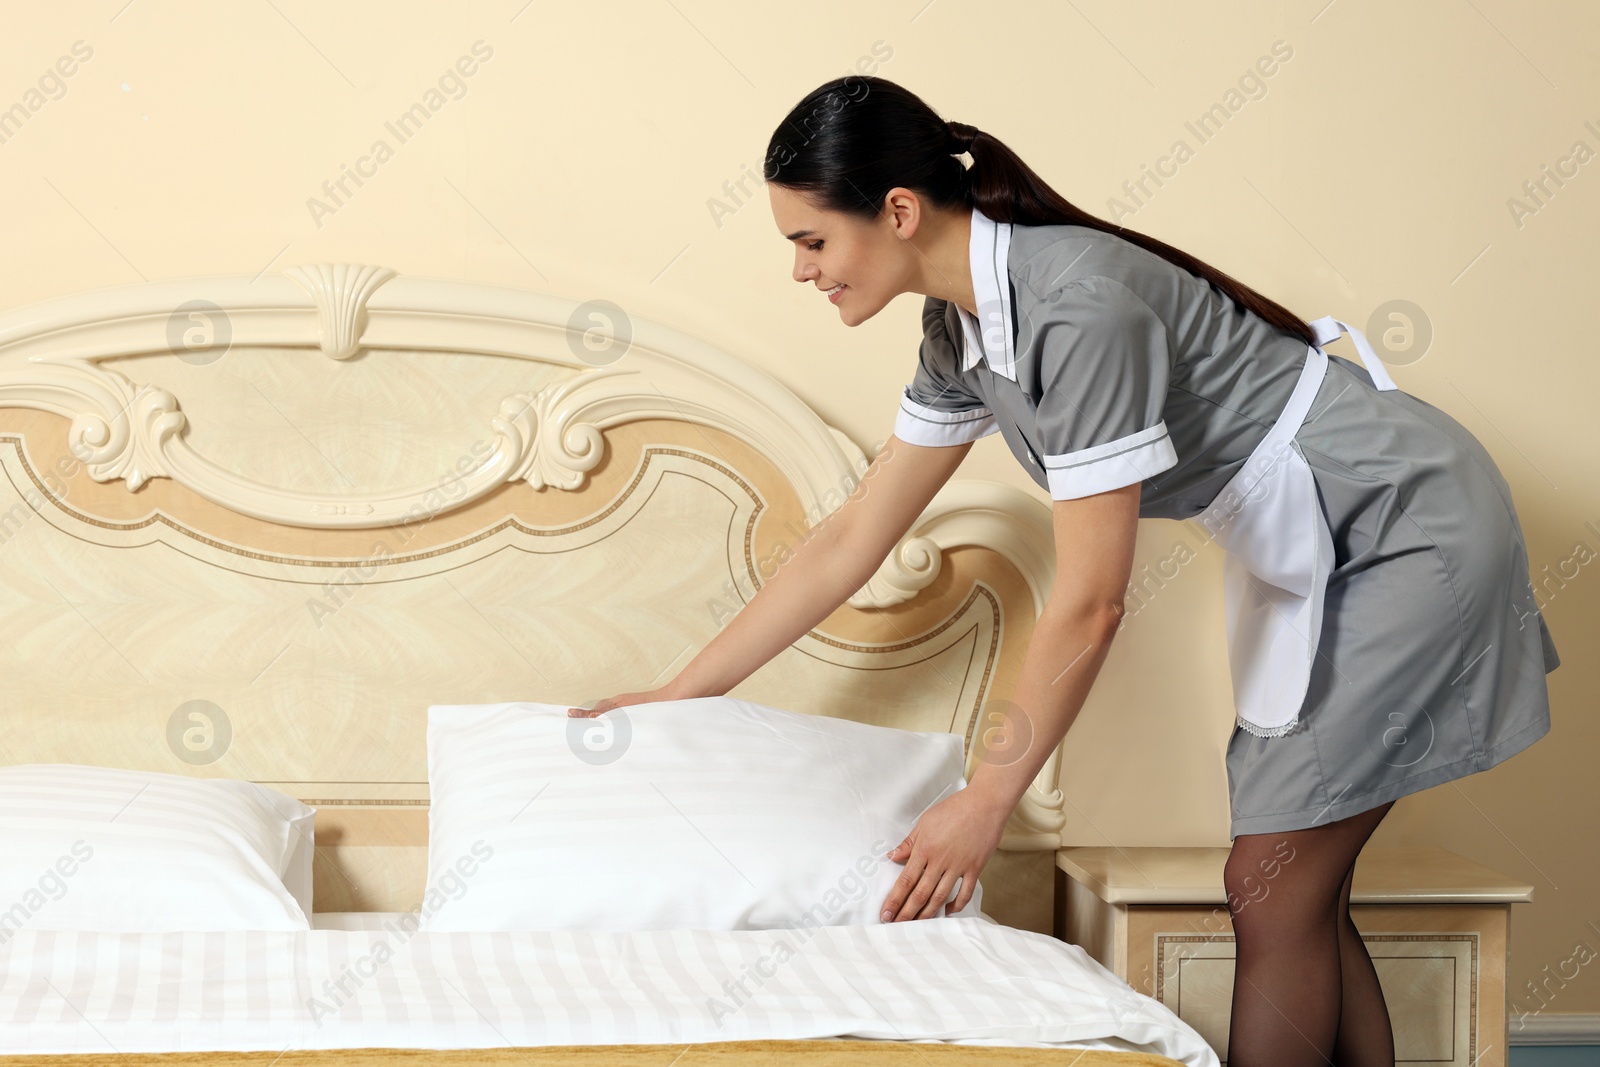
1434 923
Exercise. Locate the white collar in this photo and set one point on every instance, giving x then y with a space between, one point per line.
988 252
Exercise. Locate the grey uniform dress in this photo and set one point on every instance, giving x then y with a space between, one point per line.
1101 364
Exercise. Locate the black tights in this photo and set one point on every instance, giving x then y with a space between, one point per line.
1304 989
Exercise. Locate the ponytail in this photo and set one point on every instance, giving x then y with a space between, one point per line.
851 140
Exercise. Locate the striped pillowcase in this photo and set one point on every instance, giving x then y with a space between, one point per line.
710 813
108 849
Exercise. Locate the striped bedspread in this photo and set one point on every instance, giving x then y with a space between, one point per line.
949 980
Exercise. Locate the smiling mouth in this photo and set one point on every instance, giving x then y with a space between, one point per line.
833 294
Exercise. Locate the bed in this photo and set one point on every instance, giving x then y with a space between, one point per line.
253 527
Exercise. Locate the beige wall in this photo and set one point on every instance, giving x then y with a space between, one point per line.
1381 160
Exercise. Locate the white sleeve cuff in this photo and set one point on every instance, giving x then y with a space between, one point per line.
918 424
1111 465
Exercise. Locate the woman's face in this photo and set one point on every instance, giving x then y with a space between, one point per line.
832 249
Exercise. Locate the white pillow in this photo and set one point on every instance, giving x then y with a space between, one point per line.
709 813
103 848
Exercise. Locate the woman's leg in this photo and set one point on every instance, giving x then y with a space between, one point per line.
1365 1037
1284 899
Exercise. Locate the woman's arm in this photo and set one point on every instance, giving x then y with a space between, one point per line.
1094 538
836 559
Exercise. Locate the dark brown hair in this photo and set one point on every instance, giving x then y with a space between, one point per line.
852 139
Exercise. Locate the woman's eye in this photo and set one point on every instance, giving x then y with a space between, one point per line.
813 246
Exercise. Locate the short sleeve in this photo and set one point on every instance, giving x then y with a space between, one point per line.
936 408
1105 359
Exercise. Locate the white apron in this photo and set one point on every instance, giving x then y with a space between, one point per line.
1269 521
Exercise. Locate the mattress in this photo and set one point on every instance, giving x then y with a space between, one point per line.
372 981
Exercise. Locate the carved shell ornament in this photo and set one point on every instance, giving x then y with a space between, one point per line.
341 291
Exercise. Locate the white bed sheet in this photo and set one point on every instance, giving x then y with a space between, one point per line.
960 980
377 920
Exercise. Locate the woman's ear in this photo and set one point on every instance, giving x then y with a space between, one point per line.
903 209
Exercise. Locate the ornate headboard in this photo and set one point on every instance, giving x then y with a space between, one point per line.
253 527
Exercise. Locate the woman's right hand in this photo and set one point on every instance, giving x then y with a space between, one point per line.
621 700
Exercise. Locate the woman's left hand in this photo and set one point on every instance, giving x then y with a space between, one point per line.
953 839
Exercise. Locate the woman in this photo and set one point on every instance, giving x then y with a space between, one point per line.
1132 380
